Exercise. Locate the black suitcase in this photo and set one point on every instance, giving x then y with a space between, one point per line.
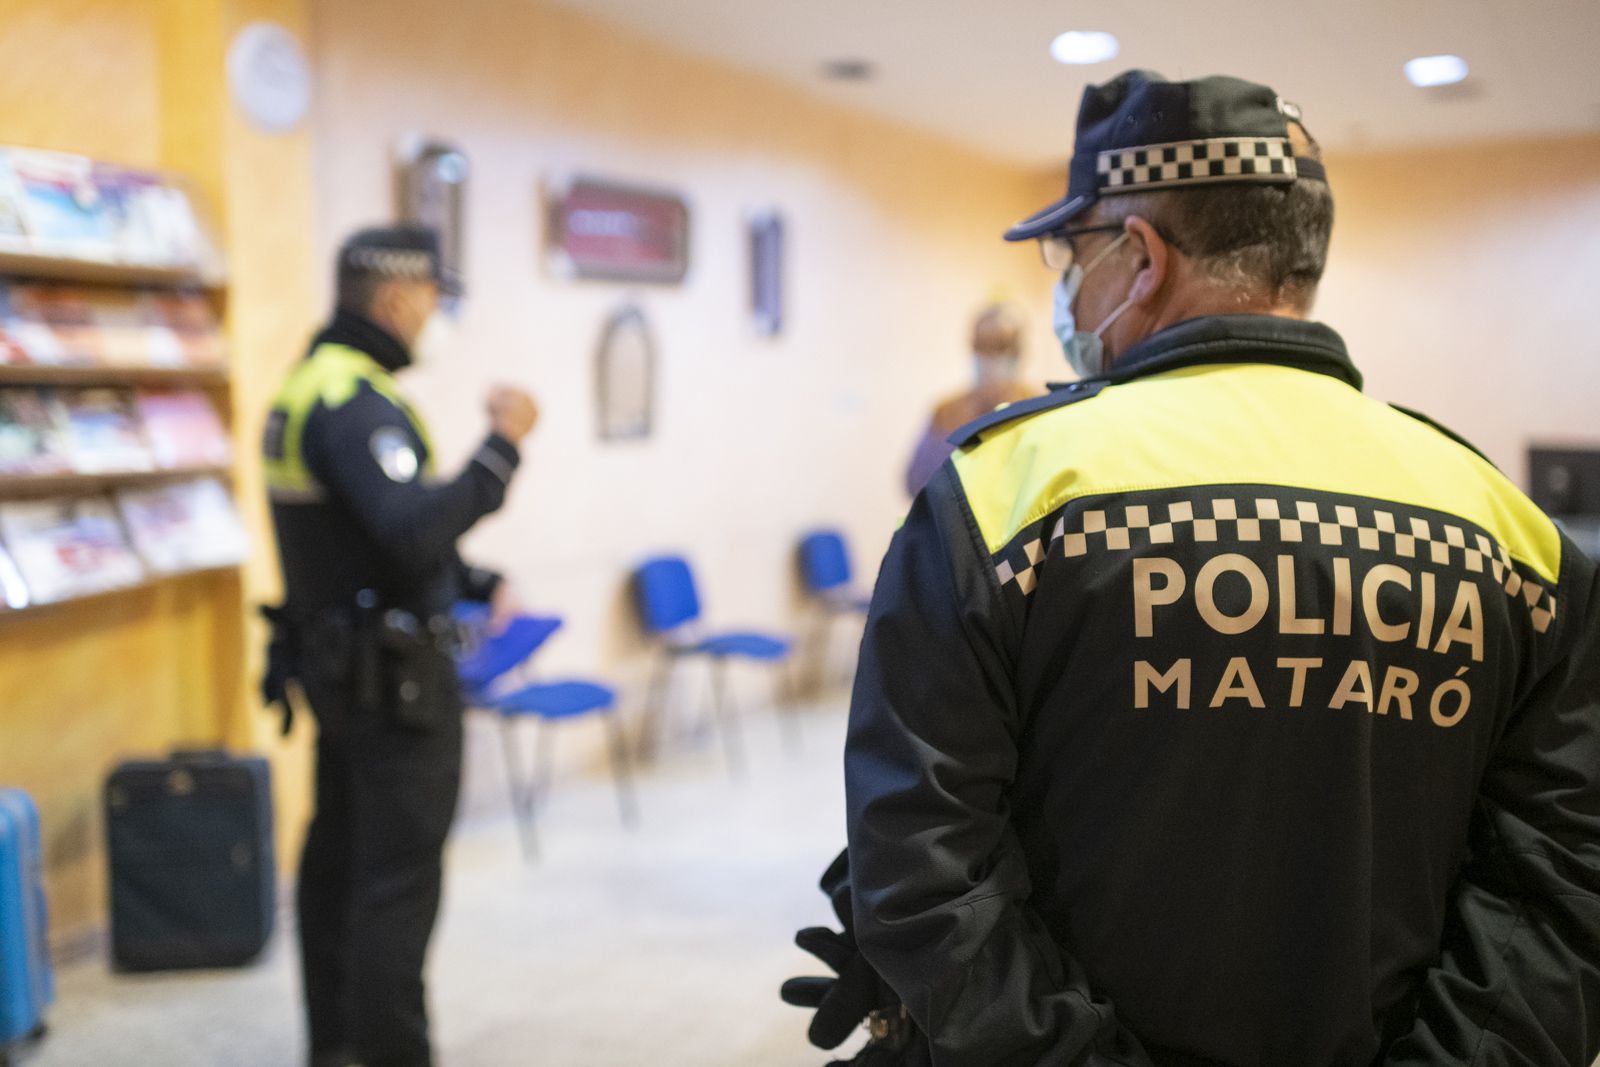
189 841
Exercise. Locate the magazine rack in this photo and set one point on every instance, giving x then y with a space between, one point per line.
115 452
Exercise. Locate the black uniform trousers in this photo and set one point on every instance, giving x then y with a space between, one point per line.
370 879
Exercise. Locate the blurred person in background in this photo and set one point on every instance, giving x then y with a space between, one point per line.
367 537
997 379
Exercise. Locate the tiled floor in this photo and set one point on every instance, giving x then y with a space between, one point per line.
660 946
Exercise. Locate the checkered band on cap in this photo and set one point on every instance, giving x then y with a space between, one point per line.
398 263
1217 159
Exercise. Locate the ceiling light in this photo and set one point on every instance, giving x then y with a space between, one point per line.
1427 72
848 70
1084 46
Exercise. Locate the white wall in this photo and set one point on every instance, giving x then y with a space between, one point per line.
894 244
1464 281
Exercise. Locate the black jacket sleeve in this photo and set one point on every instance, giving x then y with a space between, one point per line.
1518 977
414 521
941 886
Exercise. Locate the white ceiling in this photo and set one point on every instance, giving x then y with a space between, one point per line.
980 72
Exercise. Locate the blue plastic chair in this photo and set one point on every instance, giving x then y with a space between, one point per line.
669 606
493 671
826 573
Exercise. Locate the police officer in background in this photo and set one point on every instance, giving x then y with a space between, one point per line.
367 535
1210 712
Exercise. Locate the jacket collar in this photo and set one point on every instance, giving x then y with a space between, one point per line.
361 333
1217 339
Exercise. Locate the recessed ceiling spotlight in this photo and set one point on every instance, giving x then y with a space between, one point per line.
1080 47
848 70
1428 72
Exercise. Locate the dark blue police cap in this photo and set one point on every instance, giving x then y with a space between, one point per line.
403 252
1139 132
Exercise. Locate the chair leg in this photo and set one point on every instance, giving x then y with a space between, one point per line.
627 804
727 716
655 707
522 810
787 710
817 650
544 767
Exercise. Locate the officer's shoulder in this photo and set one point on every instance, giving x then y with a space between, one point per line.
1443 430
335 375
1059 396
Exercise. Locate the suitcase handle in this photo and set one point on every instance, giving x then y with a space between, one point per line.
200 755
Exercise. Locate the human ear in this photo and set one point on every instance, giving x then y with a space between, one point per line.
1155 261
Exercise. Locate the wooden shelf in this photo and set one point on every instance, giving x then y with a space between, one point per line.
88 377
95 272
40 486
143 585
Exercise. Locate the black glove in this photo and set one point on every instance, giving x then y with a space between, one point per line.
842 1003
281 666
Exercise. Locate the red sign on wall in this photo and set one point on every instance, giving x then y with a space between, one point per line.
606 230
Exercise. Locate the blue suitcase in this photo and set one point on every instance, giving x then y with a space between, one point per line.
27 985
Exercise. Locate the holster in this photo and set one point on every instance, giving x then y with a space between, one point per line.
417 668
373 661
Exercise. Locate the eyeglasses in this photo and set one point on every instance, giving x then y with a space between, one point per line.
1057 251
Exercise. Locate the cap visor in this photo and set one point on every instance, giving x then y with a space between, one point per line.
1050 219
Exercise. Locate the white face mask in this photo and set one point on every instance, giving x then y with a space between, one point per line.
1085 351
995 370
434 341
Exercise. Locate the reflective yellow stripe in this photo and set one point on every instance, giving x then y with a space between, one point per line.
1244 424
331 375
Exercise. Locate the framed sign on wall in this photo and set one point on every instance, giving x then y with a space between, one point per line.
433 193
766 272
612 231
625 373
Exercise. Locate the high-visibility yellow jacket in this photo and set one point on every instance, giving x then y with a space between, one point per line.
355 502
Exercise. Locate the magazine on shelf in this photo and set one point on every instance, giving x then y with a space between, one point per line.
183 429
68 548
68 206
185 526
103 433
32 434
13 234
153 220
62 208
184 331
13 590
54 325
62 325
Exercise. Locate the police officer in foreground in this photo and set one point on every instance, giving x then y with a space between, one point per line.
367 534
1210 712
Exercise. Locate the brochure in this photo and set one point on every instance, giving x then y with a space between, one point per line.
183 429
185 526
68 548
103 433
32 438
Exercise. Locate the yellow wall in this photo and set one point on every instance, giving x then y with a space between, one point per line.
81 76
141 82
894 243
